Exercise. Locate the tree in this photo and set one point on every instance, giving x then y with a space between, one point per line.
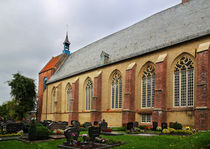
8 110
23 90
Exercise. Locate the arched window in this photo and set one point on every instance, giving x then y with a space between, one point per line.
148 86
89 94
68 97
54 100
184 82
116 90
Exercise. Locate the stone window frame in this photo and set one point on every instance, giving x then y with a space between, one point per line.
88 94
68 97
178 67
148 71
116 87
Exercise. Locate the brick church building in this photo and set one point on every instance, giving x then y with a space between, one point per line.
157 70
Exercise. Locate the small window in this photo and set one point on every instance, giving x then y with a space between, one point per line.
45 83
146 118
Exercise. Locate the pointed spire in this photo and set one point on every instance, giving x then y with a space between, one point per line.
67 39
66 44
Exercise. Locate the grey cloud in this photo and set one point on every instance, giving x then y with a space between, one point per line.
32 31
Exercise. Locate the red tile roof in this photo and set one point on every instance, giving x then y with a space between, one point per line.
51 63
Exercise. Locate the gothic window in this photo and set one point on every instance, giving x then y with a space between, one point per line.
89 94
184 82
54 100
68 97
116 90
148 86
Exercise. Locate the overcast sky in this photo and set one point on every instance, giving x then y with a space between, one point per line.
32 31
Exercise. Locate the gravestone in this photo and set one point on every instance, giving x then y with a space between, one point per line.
71 134
103 125
135 124
46 123
171 124
87 125
164 126
93 132
75 124
57 125
14 127
129 126
154 126
95 123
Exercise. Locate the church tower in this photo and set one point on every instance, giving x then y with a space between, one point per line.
66 44
48 70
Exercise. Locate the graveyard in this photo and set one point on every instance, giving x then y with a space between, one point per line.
50 134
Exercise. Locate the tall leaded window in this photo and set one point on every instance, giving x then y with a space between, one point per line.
54 100
148 86
184 82
68 97
116 90
89 94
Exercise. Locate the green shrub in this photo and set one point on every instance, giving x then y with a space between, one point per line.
42 132
166 131
178 132
32 131
38 132
159 128
176 126
184 132
172 130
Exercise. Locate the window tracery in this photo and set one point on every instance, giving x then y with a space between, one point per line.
184 82
89 94
148 86
116 90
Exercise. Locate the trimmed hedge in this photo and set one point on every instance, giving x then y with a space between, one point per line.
38 132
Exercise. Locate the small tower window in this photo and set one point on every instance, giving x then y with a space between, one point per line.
45 82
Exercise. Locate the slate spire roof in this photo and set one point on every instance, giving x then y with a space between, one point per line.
177 24
66 39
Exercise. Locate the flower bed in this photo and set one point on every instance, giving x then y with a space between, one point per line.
20 133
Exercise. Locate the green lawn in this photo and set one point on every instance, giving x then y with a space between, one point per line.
198 141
